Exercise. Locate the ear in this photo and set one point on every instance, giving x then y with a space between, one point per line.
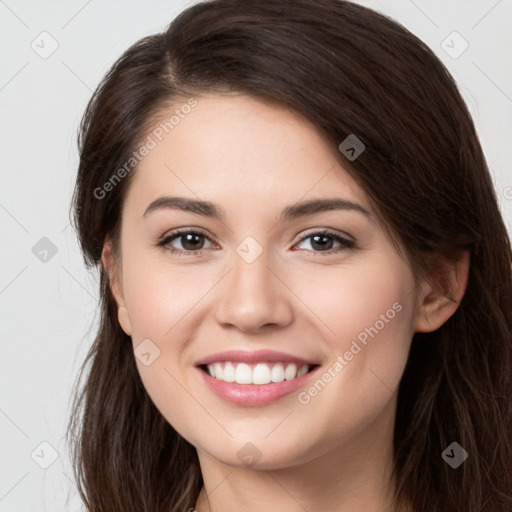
115 280
438 303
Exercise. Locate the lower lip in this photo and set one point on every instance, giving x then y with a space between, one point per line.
253 395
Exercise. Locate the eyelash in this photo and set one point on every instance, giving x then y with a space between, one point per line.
167 239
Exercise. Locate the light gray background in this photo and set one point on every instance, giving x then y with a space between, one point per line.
48 309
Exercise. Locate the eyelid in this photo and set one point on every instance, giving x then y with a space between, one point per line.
309 232
326 231
345 240
172 235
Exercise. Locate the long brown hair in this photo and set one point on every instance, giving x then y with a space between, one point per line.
348 70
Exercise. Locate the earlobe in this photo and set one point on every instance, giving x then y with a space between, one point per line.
114 277
124 320
438 303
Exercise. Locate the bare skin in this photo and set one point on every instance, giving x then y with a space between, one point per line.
333 452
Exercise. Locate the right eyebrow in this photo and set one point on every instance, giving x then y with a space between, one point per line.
204 208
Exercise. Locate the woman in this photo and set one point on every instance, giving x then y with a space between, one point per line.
305 276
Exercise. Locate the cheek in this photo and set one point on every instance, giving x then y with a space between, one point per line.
354 301
163 305
158 296
365 315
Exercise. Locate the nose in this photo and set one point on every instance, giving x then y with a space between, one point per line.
254 296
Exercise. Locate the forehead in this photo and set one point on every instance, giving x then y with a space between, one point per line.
240 150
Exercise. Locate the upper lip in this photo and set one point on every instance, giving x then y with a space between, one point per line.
258 356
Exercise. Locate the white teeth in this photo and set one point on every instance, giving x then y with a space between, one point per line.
277 373
258 374
261 374
218 371
228 374
302 370
243 373
290 372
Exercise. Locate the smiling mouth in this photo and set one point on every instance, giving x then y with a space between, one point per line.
256 374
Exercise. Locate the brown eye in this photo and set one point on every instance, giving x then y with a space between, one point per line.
190 241
323 242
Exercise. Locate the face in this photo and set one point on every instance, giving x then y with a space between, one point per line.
270 279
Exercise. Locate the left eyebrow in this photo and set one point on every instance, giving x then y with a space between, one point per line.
292 212
321 205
